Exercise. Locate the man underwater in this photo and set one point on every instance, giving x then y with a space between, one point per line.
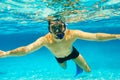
59 37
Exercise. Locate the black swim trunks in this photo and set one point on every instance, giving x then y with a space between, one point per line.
73 55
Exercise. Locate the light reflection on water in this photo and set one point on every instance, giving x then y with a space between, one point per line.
73 11
27 16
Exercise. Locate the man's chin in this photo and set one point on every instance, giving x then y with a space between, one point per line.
58 38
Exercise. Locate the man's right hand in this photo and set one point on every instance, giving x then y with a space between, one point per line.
2 54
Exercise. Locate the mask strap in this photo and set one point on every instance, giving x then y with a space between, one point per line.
49 26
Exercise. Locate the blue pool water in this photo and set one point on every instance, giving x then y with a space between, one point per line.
20 30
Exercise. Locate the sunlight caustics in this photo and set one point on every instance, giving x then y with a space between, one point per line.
37 11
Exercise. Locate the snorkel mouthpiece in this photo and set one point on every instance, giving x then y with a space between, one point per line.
60 36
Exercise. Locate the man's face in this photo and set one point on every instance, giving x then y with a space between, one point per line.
57 28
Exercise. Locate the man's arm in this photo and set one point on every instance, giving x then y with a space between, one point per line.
95 36
24 49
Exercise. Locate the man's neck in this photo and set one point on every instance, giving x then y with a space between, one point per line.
57 40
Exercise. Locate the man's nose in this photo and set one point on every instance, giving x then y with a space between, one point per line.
57 30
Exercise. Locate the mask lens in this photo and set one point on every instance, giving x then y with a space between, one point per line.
57 28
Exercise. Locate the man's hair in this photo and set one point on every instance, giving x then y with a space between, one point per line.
56 18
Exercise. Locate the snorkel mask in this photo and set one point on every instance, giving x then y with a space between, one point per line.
57 27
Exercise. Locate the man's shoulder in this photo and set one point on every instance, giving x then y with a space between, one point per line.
48 38
73 31
48 35
44 38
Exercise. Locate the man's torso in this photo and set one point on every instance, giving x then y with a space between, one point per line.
61 48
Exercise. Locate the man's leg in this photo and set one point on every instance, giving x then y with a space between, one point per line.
63 65
80 61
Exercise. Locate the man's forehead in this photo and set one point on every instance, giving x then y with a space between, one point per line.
54 21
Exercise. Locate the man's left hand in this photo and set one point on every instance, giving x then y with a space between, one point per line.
118 36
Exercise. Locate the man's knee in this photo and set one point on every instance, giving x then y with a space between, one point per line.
87 68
